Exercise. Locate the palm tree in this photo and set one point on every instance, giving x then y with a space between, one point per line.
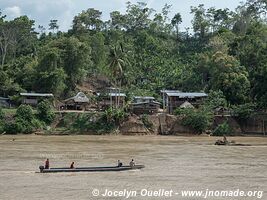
117 62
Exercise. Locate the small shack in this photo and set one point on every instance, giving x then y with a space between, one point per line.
78 102
173 99
111 97
144 105
34 98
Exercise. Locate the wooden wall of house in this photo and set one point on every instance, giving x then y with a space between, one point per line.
145 109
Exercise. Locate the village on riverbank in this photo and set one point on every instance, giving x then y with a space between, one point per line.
136 72
113 111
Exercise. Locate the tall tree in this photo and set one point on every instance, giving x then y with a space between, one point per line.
116 67
99 51
117 20
116 63
16 37
200 21
77 60
53 25
229 77
220 19
41 29
7 37
176 21
137 16
50 75
89 20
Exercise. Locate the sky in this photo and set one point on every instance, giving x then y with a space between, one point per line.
42 11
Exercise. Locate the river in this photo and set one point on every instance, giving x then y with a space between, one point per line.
172 164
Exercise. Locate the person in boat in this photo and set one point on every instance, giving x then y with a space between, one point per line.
119 163
225 141
72 165
47 164
132 163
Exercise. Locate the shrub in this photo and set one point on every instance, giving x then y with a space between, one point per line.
13 128
2 126
114 116
244 111
197 119
24 112
24 126
24 122
222 129
37 124
146 122
96 123
2 115
68 120
45 112
92 123
182 111
216 99
81 123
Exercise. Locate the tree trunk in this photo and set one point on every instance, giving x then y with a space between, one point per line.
177 33
4 52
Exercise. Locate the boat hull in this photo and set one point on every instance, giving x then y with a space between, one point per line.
91 169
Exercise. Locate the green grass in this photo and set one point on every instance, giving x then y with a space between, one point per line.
9 111
12 111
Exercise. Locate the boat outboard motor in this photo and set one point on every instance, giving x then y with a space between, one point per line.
41 168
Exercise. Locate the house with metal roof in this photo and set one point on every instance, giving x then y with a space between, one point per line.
173 99
111 97
144 105
34 98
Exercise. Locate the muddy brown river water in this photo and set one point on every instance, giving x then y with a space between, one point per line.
172 164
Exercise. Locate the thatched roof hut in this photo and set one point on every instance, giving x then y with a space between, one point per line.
78 102
186 104
79 98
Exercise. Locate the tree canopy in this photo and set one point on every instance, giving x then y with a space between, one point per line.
141 48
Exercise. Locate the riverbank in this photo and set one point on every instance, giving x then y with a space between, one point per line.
119 122
157 124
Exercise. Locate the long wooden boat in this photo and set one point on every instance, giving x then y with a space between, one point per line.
222 143
90 169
